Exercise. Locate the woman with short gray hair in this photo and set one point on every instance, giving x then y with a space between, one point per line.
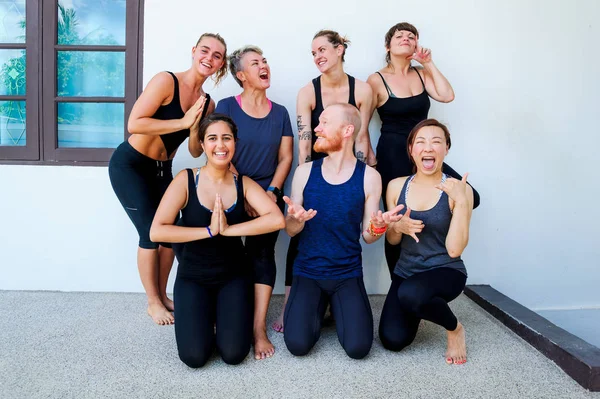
264 153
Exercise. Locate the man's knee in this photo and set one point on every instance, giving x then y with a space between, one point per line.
297 344
359 349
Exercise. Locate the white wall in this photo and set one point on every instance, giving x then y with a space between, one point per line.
524 125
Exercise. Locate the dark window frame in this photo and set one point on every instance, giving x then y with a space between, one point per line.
41 41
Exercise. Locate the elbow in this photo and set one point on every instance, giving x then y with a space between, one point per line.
449 98
132 126
154 235
280 222
454 253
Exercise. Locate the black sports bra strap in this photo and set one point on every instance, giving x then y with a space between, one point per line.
317 85
420 78
176 82
351 83
385 84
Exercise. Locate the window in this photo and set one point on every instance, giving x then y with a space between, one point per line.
70 72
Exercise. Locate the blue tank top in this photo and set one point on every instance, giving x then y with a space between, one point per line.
329 245
430 252
173 110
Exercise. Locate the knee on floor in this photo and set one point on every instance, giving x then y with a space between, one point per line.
232 355
297 346
194 360
394 341
358 350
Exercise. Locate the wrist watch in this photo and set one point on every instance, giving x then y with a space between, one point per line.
275 190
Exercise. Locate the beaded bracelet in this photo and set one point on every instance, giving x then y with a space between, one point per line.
376 231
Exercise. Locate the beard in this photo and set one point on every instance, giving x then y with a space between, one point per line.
328 145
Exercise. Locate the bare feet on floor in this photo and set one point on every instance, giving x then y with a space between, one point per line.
457 348
160 314
168 303
263 348
278 324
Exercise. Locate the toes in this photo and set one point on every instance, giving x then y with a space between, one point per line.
449 360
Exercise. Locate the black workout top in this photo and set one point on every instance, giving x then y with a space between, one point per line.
173 110
315 113
400 114
217 259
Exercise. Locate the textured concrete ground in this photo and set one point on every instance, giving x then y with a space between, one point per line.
91 345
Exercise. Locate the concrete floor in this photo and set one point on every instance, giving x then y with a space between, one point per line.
584 323
91 345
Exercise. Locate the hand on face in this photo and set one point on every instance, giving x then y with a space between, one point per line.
297 212
456 189
409 226
422 55
191 119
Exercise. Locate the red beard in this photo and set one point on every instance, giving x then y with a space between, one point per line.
328 145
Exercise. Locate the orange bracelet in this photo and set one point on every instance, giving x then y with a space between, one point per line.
376 231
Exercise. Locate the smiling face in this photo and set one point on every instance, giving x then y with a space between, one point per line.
208 56
329 132
428 149
219 144
325 55
402 43
255 72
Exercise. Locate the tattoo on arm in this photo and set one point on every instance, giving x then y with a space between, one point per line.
361 156
302 134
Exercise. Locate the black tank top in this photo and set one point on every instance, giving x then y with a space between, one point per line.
217 259
173 110
400 115
315 113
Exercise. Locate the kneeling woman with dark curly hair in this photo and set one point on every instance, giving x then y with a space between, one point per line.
213 287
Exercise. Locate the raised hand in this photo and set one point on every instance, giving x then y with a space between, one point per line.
456 189
409 226
297 212
422 55
215 225
380 220
222 218
191 119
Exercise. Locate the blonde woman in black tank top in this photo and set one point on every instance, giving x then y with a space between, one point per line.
331 87
166 113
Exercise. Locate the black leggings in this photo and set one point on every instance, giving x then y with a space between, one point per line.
421 296
199 306
350 306
139 182
392 252
261 252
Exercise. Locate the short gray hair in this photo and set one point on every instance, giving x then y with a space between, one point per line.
235 60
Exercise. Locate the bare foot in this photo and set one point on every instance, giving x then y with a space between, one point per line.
263 348
278 324
160 314
168 303
457 348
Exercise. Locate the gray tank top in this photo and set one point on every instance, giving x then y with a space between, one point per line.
430 252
